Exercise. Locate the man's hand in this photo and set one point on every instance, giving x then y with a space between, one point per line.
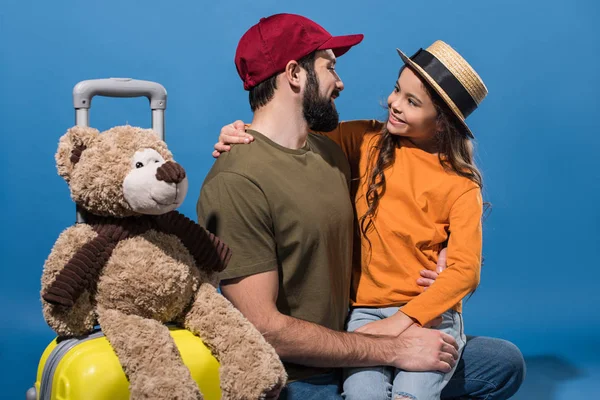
428 277
421 349
233 133
426 350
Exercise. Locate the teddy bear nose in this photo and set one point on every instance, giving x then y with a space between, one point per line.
170 172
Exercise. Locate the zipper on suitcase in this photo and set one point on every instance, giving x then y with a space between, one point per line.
54 358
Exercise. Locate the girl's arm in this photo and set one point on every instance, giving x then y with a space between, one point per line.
348 135
461 277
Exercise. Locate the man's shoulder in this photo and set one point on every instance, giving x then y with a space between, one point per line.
323 144
320 139
239 160
231 179
328 149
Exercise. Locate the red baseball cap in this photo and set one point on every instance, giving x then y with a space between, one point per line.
267 47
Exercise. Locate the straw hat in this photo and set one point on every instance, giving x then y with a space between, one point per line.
451 76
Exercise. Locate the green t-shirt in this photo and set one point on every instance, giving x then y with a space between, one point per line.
290 210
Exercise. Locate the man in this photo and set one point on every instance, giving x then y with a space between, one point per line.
282 204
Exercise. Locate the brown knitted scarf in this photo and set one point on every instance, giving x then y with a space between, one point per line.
83 269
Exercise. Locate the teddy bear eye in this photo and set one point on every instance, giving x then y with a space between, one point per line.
139 164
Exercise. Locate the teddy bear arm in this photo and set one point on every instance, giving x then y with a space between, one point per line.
158 372
209 252
80 318
250 367
80 273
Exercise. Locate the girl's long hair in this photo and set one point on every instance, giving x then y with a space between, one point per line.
455 152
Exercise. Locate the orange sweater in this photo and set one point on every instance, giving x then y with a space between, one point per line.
422 204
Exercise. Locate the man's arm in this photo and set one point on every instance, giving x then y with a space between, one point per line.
306 343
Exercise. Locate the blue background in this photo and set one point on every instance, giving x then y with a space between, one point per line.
537 144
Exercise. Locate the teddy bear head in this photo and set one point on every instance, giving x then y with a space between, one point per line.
124 171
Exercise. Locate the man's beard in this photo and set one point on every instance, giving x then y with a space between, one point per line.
319 112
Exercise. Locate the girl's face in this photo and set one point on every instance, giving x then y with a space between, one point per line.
411 111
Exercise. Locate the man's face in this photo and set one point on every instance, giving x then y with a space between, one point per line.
323 86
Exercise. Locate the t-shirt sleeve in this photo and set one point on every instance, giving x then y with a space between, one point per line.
464 261
236 210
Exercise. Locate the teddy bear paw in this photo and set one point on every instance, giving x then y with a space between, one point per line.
163 388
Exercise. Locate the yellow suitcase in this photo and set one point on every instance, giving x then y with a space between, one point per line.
87 368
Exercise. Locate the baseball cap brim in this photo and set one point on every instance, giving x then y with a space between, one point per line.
341 44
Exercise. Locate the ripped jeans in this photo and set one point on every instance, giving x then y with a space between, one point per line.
388 383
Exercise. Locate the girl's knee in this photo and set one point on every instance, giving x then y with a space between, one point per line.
366 392
376 389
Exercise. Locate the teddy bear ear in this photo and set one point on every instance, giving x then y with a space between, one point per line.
70 147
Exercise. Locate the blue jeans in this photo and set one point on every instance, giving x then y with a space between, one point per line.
320 387
490 369
385 383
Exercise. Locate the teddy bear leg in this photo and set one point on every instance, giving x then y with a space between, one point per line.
250 367
148 356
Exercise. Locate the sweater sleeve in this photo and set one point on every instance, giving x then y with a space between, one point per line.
461 277
349 136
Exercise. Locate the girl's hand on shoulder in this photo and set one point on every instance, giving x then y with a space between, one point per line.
233 133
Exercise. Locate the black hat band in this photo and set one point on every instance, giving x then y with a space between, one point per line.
446 80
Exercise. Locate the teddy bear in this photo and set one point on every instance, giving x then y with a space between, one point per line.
136 264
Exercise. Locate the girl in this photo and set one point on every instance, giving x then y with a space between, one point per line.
416 190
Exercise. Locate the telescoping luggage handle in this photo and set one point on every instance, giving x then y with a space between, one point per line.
84 92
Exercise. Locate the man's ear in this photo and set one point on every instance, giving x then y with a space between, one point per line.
293 74
70 147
